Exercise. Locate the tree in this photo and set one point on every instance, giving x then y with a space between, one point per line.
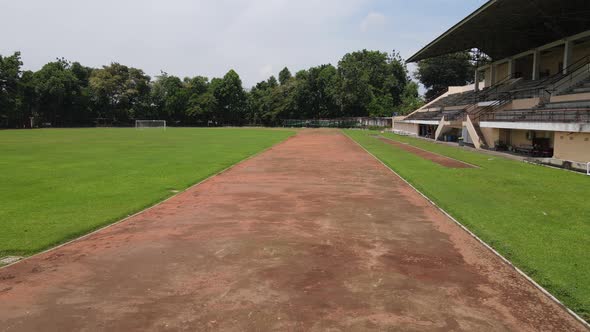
272 82
201 108
268 102
10 73
27 98
372 83
316 92
259 104
281 103
365 83
170 98
201 102
197 85
437 74
285 76
83 113
231 98
119 92
411 99
56 87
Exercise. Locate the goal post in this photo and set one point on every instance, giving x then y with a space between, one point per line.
141 124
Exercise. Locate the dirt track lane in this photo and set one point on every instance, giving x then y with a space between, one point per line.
434 157
312 235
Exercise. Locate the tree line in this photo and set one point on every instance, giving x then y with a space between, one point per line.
68 94
455 69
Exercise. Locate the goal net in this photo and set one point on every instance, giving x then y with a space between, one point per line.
140 124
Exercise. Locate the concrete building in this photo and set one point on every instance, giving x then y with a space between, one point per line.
532 98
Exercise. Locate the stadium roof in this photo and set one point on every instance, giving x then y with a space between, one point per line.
501 28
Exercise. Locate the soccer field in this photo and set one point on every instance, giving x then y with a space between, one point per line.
57 184
537 217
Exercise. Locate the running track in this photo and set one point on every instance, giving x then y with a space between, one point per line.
313 234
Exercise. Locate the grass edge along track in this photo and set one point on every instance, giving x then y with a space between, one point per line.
537 217
59 184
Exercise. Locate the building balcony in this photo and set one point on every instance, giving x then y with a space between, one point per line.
565 120
560 116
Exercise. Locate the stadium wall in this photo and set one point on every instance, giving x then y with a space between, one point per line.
572 146
409 128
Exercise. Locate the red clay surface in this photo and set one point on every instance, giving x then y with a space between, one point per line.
313 234
441 160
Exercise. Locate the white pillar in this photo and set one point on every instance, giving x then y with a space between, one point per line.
477 79
536 64
567 55
493 73
511 68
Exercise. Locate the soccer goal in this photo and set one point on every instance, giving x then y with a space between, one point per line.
140 124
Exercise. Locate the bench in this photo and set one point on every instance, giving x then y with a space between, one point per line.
524 149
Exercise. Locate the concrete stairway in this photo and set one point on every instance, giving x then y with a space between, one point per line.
475 133
440 129
576 82
585 87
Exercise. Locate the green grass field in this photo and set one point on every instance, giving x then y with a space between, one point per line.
537 217
57 184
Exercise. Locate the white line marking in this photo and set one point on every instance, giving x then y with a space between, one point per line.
529 279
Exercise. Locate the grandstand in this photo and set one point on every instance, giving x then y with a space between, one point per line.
532 98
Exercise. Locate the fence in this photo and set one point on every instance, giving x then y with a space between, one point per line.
539 116
339 123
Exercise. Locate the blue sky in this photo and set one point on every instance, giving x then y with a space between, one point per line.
257 38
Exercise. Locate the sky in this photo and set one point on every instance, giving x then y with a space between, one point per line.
257 38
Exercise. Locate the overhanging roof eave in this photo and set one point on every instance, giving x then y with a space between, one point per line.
417 57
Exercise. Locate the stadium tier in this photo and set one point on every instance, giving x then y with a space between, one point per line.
535 84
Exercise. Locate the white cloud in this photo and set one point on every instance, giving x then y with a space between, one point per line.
209 37
373 20
182 37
